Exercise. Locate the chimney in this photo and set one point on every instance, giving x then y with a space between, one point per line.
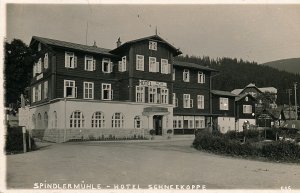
95 45
119 42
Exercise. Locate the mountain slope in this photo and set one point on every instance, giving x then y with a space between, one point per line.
289 65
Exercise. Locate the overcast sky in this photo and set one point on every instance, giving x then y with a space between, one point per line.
258 33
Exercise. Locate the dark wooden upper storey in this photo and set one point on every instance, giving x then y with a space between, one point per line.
150 58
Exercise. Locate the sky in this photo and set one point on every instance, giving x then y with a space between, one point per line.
259 33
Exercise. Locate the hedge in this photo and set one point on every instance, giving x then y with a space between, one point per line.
14 140
229 144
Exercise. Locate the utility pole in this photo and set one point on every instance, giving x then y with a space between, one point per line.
295 87
289 92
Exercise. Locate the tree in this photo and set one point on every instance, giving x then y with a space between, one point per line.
18 70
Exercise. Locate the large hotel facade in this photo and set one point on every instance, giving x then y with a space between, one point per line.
80 92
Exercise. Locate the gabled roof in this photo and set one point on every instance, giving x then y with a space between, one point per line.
237 91
222 93
268 89
193 65
64 44
154 38
238 98
251 85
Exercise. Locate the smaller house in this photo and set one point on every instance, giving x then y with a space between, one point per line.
223 107
244 111
265 96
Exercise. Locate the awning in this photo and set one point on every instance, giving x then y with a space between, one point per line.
155 111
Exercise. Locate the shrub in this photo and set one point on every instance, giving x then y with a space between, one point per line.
281 150
152 132
14 140
227 144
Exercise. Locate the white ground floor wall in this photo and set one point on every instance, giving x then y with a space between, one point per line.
106 116
226 124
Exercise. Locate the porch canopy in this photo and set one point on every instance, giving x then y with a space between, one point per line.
149 111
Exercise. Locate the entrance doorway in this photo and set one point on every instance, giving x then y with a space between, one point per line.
157 124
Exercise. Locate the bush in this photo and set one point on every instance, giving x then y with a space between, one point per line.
229 145
281 150
152 132
14 140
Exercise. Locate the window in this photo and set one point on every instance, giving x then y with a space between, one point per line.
224 103
106 65
77 120
201 77
140 62
70 60
165 66
200 101
54 120
189 122
137 122
89 63
45 89
88 90
152 45
187 101
39 47
164 96
122 66
152 95
34 70
153 64
199 122
45 120
117 120
98 120
34 95
140 94
177 122
186 75
173 75
46 61
39 92
70 91
33 122
39 66
39 121
107 92
247 109
175 100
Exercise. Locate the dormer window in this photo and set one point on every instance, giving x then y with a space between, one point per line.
152 45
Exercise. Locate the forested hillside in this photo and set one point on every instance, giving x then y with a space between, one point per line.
290 65
236 73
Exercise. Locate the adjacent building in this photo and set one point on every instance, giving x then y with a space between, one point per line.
244 111
223 108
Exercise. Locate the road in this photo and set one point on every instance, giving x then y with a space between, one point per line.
144 164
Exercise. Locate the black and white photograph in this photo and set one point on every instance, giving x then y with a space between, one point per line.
132 96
